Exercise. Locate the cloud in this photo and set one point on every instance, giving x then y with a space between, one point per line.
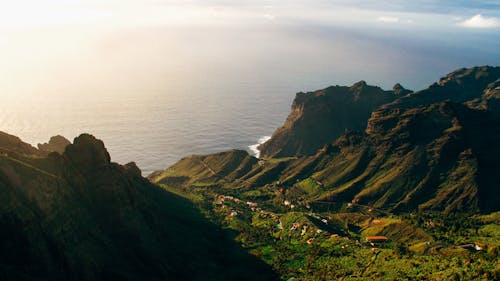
479 21
388 19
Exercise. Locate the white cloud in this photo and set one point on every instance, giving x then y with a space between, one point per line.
388 19
479 21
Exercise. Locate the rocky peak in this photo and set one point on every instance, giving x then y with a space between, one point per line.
320 117
359 85
399 90
88 153
479 74
56 144
133 169
459 86
363 92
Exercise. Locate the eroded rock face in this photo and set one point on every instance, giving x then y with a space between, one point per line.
322 116
399 90
459 86
88 153
56 144
436 149
79 216
490 100
439 157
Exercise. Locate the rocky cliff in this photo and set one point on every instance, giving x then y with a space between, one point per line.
56 144
79 216
430 150
322 116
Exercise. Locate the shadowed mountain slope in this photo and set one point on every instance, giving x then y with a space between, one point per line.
320 117
79 216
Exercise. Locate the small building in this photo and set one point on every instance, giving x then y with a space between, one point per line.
376 240
295 226
251 204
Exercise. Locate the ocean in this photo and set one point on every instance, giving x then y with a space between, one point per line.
154 130
157 94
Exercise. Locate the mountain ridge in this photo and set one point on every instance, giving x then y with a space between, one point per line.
428 150
79 216
321 116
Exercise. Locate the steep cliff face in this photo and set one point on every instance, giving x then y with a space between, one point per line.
435 157
79 216
322 116
439 157
431 150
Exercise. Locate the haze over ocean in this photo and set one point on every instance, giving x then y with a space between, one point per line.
160 80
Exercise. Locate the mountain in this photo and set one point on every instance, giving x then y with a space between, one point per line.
15 144
76 215
430 150
56 144
462 85
490 100
322 116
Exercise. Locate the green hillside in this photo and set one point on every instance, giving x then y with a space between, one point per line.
423 174
78 216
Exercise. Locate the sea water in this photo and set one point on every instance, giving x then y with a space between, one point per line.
155 129
157 94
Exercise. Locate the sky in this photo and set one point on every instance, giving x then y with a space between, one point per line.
98 45
161 79
431 13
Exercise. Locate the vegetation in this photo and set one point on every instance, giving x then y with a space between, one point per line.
78 216
307 245
423 175
414 197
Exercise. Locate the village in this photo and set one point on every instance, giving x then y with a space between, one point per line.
311 227
280 224
235 207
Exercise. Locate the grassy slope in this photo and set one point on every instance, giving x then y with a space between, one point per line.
60 222
421 246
